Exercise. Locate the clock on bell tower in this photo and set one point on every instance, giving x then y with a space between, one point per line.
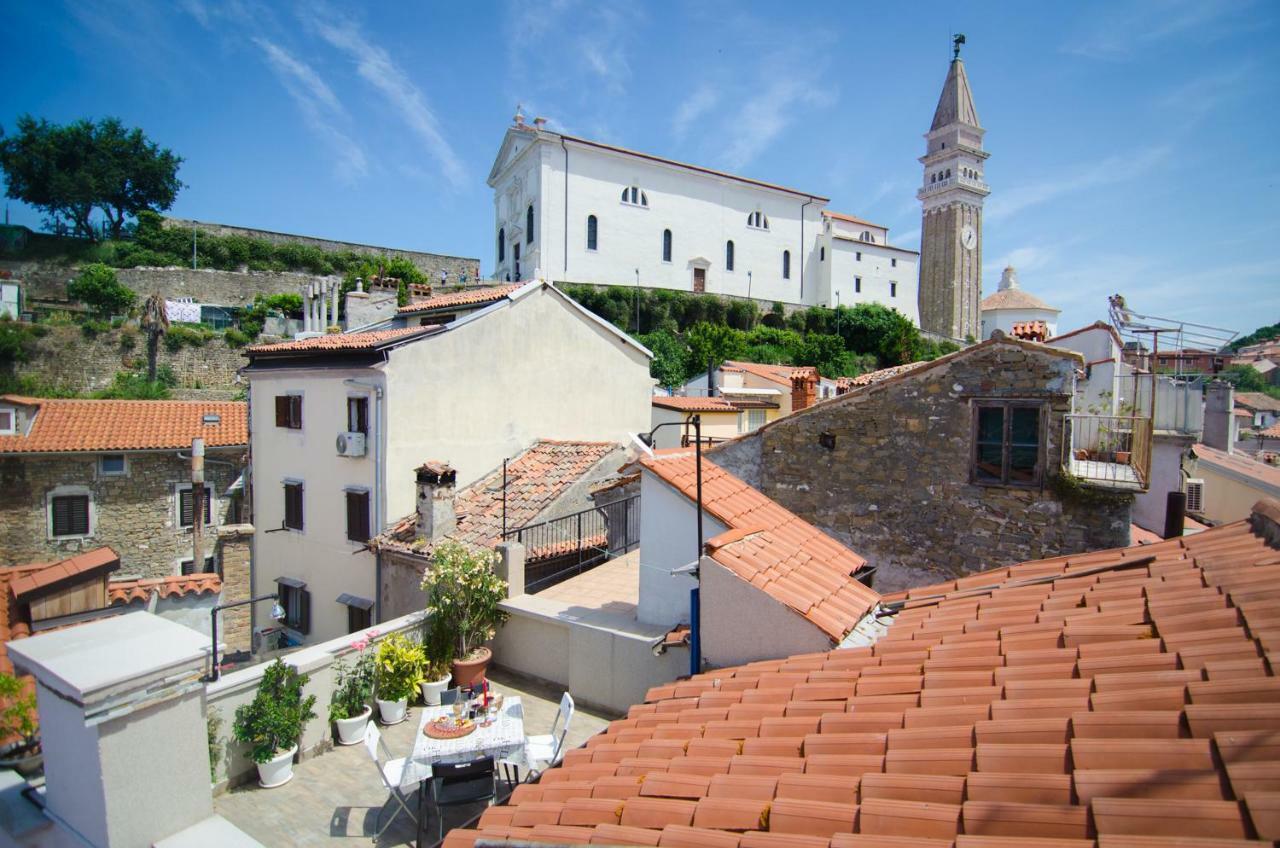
951 196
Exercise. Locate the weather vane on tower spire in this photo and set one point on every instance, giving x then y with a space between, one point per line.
956 41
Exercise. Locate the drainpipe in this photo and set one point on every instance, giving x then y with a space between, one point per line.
800 253
565 147
379 481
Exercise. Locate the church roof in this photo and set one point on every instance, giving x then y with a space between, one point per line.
956 103
1015 299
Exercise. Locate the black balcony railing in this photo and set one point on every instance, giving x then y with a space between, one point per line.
560 548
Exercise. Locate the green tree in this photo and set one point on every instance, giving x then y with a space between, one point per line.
1246 378
1262 334
669 357
68 171
714 343
827 353
872 328
97 288
155 323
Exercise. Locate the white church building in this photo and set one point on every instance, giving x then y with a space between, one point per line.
568 209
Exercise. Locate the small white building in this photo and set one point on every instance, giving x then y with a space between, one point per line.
1017 313
574 210
339 422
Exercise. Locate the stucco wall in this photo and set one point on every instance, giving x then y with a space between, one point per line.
1149 507
875 265
715 425
1228 496
667 534
135 513
896 488
741 624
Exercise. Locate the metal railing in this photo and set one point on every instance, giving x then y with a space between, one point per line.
1109 450
560 548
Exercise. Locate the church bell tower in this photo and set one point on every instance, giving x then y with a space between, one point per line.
951 196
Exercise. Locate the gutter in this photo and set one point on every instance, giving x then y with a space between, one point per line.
565 147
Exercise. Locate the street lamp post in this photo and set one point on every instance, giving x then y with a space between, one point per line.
277 612
695 601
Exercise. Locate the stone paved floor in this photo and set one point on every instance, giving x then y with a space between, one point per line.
613 585
335 799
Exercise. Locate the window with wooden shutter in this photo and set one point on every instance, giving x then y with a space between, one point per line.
296 601
188 567
185 507
293 506
358 619
70 515
358 516
289 411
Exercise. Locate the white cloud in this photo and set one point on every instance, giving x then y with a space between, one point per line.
1125 28
319 106
1027 258
765 115
1109 171
1197 97
700 101
376 67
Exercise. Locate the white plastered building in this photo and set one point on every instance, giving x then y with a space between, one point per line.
569 209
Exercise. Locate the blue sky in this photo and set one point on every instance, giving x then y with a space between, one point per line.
1131 141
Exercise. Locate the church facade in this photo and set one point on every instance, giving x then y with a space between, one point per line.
569 209
951 195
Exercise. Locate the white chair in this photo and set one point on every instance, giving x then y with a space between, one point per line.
549 747
392 771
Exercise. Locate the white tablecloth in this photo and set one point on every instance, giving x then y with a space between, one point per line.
502 740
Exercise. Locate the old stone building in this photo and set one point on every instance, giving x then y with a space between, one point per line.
76 475
940 469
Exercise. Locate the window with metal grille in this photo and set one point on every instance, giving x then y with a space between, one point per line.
70 515
1007 443
1195 495
358 516
293 506
289 411
186 512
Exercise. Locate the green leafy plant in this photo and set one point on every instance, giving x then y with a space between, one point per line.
96 287
17 710
213 726
236 338
353 682
187 335
18 339
273 721
463 593
399 665
437 644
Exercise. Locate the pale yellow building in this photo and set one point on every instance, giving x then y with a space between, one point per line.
1224 486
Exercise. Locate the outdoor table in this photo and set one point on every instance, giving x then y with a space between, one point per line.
502 740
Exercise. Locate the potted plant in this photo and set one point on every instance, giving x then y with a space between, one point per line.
272 722
437 643
20 748
352 688
463 593
399 665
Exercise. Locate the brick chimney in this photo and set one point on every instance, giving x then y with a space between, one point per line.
804 390
1219 416
436 518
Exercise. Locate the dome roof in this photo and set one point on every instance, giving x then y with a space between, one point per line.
1011 296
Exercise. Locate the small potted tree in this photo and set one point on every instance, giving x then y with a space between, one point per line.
437 643
272 722
20 748
399 664
352 688
463 593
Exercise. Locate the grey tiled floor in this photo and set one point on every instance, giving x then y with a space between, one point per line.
336 798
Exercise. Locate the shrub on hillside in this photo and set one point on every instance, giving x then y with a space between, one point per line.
96 287
187 335
18 339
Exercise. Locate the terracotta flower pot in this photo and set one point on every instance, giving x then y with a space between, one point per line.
1123 457
468 672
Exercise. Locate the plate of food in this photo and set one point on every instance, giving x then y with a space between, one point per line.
448 727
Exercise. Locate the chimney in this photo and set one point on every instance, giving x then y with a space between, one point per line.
804 390
436 518
1219 417
540 123
711 378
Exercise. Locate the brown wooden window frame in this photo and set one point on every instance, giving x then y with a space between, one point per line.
357 515
358 618
1006 442
294 504
289 411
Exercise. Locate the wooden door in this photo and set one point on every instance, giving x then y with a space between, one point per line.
699 279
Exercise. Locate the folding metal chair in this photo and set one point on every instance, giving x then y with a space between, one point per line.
457 784
547 748
391 770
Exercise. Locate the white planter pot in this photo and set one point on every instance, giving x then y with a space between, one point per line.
431 690
277 771
351 730
393 712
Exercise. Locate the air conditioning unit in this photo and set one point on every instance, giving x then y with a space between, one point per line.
351 444
1195 495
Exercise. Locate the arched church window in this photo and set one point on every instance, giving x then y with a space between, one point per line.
666 245
728 256
591 232
528 225
502 245
633 196
758 220
786 264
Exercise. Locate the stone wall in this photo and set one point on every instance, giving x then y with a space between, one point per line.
431 264
234 550
69 360
896 485
134 513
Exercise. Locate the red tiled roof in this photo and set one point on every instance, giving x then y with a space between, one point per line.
780 374
846 383
126 425
1257 401
177 586
535 479
13 616
344 341
1116 699
1139 536
462 298
1032 330
1268 475
775 550
52 573
840 216
1272 432
693 404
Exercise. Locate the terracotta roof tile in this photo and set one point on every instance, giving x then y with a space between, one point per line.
1114 737
698 404
24 586
780 374
126 425
344 342
177 586
788 558
462 298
